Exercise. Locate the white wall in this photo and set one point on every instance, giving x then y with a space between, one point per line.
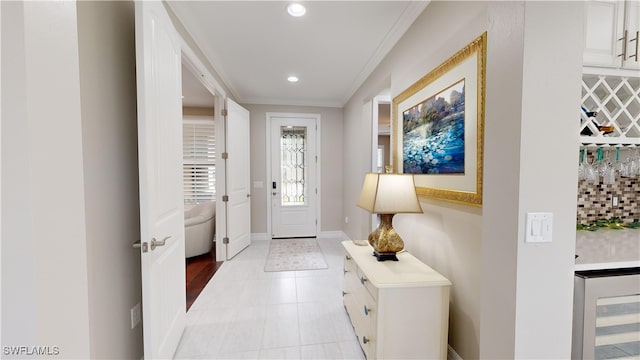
446 236
552 74
109 138
527 289
508 299
501 179
331 164
44 255
357 148
69 187
0 174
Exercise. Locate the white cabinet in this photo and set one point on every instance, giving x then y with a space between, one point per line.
611 34
399 309
632 34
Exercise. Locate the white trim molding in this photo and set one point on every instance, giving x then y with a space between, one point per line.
333 235
260 237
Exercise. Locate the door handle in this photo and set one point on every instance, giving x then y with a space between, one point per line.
155 243
635 54
624 46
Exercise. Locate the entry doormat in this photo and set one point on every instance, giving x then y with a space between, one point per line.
295 254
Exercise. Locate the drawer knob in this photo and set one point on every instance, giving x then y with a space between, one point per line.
366 310
363 280
347 257
344 293
365 340
345 271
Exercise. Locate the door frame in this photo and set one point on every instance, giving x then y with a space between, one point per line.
317 119
375 119
375 106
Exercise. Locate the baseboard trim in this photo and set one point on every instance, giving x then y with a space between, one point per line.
260 237
333 235
452 354
322 235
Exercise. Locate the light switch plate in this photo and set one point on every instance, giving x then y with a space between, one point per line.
539 227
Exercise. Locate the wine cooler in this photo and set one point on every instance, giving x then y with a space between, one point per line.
606 315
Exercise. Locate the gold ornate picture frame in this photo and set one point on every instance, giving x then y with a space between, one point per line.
438 127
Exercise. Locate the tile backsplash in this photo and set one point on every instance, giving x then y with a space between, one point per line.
595 201
616 102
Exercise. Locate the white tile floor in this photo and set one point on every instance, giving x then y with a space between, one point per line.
246 313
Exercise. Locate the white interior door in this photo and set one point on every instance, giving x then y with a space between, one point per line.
238 181
158 67
293 177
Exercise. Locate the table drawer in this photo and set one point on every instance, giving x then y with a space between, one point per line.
349 263
364 322
364 281
350 266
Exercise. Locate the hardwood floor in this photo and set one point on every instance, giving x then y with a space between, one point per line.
199 271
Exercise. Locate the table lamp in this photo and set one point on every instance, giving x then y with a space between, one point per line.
387 195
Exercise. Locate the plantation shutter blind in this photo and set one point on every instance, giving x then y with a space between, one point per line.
199 156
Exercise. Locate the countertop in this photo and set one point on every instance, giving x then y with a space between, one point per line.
407 272
607 249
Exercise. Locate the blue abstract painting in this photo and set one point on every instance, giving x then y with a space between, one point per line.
433 133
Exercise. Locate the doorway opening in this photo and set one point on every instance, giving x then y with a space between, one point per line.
380 140
293 199
199 184
383 153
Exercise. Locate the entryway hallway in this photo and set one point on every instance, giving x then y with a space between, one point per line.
247 313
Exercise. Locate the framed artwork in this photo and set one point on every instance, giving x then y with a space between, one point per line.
438 127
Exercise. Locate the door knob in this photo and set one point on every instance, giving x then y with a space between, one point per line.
155 243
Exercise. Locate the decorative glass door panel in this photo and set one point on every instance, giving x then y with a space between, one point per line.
293 151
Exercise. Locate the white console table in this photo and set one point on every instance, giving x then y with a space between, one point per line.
399 309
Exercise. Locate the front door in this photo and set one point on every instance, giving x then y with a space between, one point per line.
293 177
158 68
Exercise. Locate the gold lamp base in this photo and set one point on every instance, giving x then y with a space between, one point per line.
385 240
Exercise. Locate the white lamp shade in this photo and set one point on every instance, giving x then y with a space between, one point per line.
389 194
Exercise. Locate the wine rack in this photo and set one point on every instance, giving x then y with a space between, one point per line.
616 102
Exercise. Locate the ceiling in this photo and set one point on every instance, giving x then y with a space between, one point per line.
255 45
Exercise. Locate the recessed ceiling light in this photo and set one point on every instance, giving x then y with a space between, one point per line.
293 79
295 9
